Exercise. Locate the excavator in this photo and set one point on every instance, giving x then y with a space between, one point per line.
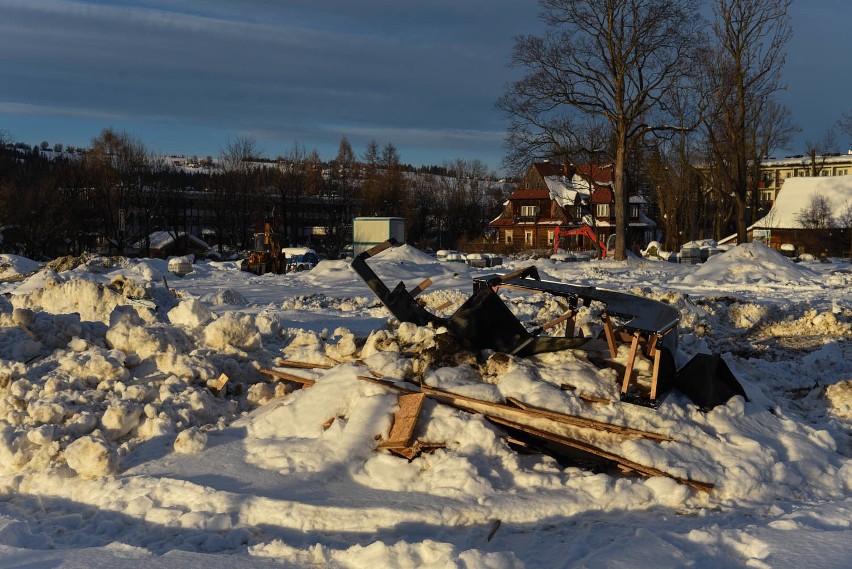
267 255
559 233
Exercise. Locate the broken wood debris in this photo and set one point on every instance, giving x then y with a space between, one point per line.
218 384
590 423
301 365
607 455
288 376
404 421
493 411
411 401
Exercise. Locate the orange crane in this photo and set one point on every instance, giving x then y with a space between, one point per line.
582 230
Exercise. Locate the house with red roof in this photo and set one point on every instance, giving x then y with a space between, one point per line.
551 195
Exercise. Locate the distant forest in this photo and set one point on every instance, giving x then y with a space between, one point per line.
111 197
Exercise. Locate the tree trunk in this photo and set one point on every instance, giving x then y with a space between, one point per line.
620 198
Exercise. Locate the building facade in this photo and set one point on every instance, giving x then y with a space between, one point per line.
552 196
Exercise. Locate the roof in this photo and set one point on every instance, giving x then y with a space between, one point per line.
534 194
566 189
161 239
796 194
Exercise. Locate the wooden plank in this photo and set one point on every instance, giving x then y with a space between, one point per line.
610 337
421 287
656 373
652 345
385 383
631 360
301 365
218 384
593 399
607 455
571 324
404 421
588 423
288 376
557 321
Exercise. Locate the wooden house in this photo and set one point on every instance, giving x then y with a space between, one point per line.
551 195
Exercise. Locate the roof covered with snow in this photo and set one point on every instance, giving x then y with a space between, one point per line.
796 194
161 239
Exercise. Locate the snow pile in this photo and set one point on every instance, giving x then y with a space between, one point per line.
15 266
750 264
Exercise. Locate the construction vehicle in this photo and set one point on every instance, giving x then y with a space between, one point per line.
559 233
266 255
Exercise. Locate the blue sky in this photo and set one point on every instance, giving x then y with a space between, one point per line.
188 76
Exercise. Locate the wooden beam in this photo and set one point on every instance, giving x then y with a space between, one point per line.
652 345
301 365
288 376
404 421
588 423
631 360
656 373
571 324
385 383
610 336
421 287
607 455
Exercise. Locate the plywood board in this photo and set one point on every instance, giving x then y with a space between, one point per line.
404 421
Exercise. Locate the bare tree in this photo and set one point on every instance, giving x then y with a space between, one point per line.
743 74
845 123
844 220
338 197
817 152
117 165
612 61
239 169
817 214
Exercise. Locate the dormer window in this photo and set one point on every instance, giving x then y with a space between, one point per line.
602 210
529 210
634 211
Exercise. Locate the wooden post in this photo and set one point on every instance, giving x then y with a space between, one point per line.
657 354
652 345
631 360
610 336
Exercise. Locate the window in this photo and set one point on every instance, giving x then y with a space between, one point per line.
508 237
550 237
634 211
528 237
529 211
578 211
602 210
788 174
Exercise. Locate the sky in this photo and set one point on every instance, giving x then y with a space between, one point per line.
189 77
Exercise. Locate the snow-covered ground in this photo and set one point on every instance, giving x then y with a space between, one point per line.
117 450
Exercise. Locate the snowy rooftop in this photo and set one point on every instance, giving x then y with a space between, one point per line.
796 194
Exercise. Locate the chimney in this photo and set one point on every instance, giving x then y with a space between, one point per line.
568 170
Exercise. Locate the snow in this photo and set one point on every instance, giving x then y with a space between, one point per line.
117 448
796 194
